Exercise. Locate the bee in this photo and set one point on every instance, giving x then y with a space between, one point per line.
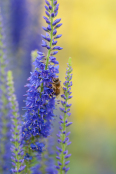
57 88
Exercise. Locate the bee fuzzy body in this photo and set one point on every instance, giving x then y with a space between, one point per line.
56 86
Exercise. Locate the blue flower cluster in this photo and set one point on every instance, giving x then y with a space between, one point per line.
63 139
39 102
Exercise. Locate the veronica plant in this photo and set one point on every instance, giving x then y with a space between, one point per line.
39 103
16 148
63 140
4 109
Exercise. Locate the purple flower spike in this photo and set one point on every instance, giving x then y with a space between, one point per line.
40 97
5 119
64 122
16 147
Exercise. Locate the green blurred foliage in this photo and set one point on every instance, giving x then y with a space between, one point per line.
89 37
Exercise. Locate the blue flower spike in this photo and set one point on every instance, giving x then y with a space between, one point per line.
40 104
16 147
63 139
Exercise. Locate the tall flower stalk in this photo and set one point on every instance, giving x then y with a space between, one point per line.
63 139
51 12
16 147
39 102
4 109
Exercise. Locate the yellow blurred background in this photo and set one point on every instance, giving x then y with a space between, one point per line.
89 37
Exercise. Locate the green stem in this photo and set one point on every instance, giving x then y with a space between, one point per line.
51 35
63 146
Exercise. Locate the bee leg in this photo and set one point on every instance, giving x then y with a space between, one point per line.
50 87
58 101
50 95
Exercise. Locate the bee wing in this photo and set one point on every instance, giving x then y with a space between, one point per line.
61 92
